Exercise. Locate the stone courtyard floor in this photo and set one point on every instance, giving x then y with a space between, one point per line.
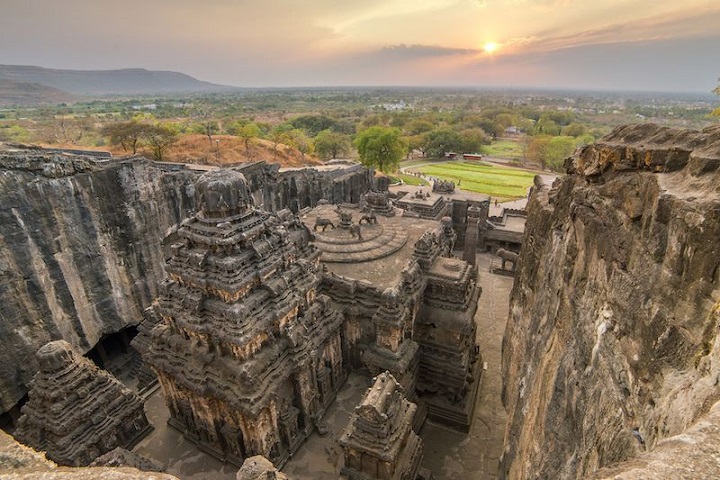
448 454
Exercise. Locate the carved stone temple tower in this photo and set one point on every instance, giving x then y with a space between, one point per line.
247 354
379 442
76 411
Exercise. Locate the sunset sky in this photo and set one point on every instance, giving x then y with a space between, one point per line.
653 45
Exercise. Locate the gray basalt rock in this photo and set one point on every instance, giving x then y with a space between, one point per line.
80 253
19 462
614 313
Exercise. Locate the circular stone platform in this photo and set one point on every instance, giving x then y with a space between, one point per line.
378 241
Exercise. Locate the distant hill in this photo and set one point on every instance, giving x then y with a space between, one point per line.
27 94
129 81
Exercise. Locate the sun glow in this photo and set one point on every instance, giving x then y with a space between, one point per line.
490 47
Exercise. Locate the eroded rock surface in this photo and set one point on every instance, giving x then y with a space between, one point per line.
18 462
612 342
80 252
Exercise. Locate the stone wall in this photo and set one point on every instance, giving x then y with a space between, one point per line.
612 342
80 243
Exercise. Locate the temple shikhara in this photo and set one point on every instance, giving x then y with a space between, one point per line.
247 352
379 442
76 411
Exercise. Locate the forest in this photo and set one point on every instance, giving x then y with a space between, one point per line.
379 126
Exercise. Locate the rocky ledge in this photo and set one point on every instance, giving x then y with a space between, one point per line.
611 347
18 462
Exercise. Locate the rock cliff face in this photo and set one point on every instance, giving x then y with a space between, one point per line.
80 243
612 342
80 252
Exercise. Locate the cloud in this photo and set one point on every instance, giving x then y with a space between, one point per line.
653 28
424 51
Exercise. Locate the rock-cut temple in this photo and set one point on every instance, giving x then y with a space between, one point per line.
257 332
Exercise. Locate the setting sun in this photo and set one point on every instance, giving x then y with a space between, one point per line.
490 47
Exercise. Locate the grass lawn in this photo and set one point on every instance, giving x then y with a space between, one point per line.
498 182
410 180
502 149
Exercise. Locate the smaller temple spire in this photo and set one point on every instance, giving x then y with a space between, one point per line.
76 411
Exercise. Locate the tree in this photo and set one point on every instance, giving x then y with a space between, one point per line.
330 144
381 148
126 134
247 132
313 124
716 91
550 151
537 149
574 130
557 150
415 142
473 139
506 119
546 126
416 127
159 137
280 134
300 141
441 141
204 115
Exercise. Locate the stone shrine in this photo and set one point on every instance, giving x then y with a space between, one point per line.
379 443
408 309
445 329
247 353
424 205
76 411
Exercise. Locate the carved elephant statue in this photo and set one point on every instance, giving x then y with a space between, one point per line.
508 256
324 223
370 218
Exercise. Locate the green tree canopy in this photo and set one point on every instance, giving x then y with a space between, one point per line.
416 127
441 141
381 148
550 151
473 139
247 132
159 137
313 124
574 130
126 134
557 150
298 139
330 144
546 126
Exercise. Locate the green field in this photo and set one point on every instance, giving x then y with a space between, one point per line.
410 180
503 149
480 177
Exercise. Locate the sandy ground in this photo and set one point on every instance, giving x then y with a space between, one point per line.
448 454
